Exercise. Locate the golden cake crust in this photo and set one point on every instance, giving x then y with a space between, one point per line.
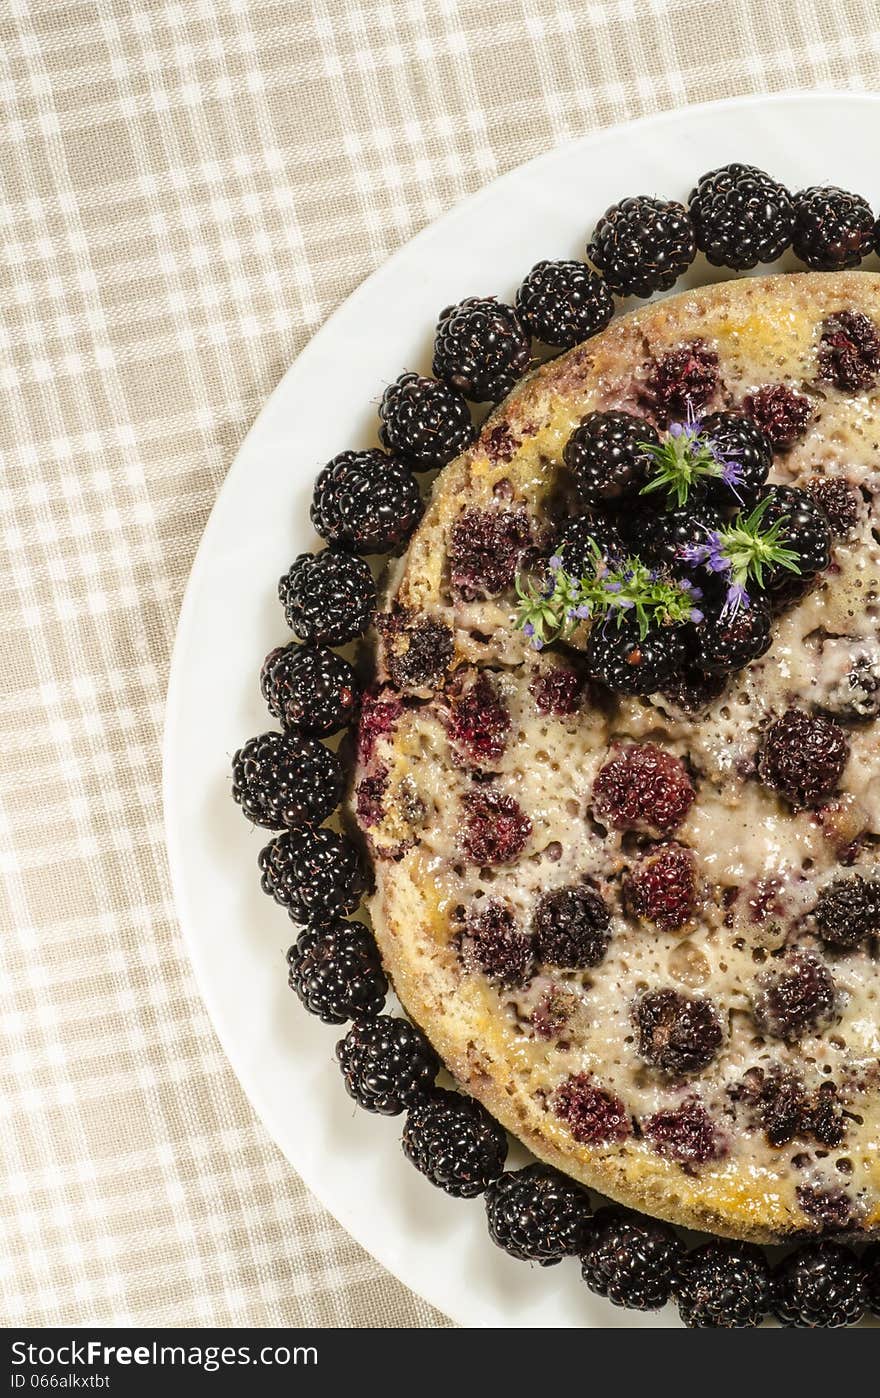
764 331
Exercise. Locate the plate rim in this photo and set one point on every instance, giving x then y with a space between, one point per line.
185 620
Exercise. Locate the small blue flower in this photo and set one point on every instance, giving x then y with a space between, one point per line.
736 600
528 629
537 643
555 563
583 611
614 587
697 616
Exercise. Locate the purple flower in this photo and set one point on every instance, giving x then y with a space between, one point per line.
555 563
537 643
584 611
697 616
736 600
528 629
693 553
613 587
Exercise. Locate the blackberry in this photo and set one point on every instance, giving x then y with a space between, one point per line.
831 1210
678 1034
426 422
847 911
572 928
496 829
780 413
631 1260
686 1134
777 1103
556 689
481 348
594 1115
574 545
737 438
803 757
309 688
486 548
455 1143
723 1285
479 721
642 245
316 874
336 972
849 351
806 529
606 457
662 887
871 1265
416 649
366 501
798 1000
741 217
284 780
724 644
833 229
839 501
380 712
627 663
822 1286
563 303
693 690
491 942
644 788
387 1064
537 1215
664 536
328 597
681 383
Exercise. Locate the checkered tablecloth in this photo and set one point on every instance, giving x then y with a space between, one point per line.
188 189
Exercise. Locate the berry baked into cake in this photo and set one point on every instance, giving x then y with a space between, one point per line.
618 764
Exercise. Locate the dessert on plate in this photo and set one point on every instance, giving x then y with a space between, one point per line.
612 788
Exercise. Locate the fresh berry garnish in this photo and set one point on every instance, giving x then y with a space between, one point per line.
642 245
309 688
579 539
496 829
455 1143
556 689
663 538
387 1063
833 229
781 414
796 1001
686 1134
336 972
367 501
741 217
572 928
416 649
803 757
680 384
662 887
493 943
839 501
820 1286
328 597
486 548
642 788
481 348
746 451
594 1115
630 1259
629 663
563 303
607 458
426 422
380 711
725 642
805 528
679 1034
849 351
479 720
848 911
537 1215
316 874
723 1285
284 780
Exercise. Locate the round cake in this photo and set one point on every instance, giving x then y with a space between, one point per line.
642 928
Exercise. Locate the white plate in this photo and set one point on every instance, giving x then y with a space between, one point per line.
231 617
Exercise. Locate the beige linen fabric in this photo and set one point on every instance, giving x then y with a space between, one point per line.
188 190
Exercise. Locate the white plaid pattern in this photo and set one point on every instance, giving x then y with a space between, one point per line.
188 190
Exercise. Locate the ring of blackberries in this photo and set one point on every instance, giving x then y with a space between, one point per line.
367 502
